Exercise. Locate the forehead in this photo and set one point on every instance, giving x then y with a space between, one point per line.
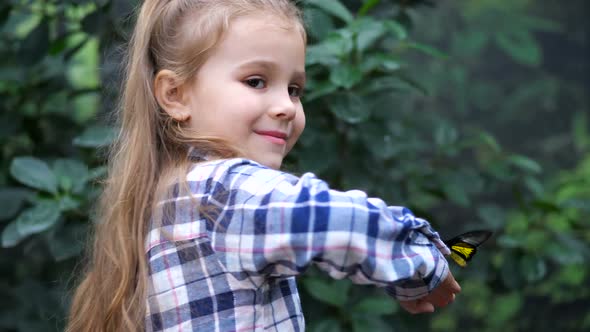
267 36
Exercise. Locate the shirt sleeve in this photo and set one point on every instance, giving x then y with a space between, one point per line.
272 223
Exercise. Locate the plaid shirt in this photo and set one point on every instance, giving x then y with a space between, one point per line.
230 263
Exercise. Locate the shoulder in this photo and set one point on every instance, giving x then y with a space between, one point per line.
234 166
246 174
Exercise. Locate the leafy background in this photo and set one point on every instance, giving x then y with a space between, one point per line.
472 113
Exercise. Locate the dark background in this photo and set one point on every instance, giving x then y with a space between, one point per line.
474 114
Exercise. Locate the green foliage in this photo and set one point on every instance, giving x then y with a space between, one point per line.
436 146
448 110
50 89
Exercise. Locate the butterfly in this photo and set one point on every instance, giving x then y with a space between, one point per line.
463 247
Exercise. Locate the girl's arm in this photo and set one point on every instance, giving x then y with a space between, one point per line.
270 222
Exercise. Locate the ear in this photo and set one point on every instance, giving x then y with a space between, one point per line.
169 95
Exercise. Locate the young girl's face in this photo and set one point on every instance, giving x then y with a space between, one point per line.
248 91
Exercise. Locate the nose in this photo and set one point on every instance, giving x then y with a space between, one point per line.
283 107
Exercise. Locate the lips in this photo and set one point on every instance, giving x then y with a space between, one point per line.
276 137
272 133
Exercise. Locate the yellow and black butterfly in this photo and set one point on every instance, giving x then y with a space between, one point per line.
463 247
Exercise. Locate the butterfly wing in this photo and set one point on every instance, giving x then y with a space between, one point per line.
463 247
474 238
458 259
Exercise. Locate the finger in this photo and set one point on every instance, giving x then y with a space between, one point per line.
424 306
451 284
452 299
441 301
444 293
417 306
440 297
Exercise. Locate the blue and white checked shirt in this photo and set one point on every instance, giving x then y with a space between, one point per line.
230 264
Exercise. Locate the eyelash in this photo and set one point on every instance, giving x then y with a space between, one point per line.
252 82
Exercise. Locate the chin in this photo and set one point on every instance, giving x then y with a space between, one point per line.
269 159
274 165
271 163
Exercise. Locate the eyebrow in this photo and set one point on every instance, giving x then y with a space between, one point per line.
271 66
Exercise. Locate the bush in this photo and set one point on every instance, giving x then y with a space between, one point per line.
418 105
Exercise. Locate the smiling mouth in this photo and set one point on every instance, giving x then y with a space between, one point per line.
276 137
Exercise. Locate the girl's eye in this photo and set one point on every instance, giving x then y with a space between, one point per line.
294 91
256 83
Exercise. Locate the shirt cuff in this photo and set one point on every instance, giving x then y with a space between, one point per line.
412 289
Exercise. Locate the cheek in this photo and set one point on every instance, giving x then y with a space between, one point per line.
300 122
298 126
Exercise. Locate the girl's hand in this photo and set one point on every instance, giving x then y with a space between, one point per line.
439 297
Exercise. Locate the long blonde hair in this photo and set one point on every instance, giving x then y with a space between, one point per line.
151 149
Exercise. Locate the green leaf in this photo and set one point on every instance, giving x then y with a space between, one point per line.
497 168
397 29
505 307
346 76
58 46
455 193
508 241
333 7
338 45
334 293
390 83
319 24
509 272
521 46
578 250
534 185
349 107
572 274
367 6
533 268
379 61
580 131
10 235
525 164
412 84
490 141
518 222
375 306
319 89
426 49
378 139
71 174
470 42
39 218
83 71
67 242
369 323
68 203
326 325
86 106
97 173
12 74
34 173
493 215
540 24
320 153
11 200
367 31
95 136
445 134
320 54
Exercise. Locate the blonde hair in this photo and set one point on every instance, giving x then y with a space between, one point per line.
150 151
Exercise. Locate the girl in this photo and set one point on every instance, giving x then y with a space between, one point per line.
198 229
